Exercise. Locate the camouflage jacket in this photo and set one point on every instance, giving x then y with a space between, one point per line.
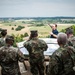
9 57
71 41
62 62
2 42
35 47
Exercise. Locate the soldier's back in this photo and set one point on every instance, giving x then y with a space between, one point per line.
63 62
9 60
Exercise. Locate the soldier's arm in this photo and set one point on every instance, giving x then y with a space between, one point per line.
25 44
44 45
53 66
21 57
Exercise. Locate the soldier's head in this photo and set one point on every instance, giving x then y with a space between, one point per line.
62 39
4 32
69 32
9 40
34 33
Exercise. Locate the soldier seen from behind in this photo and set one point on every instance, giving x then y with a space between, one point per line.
36 48
62 61
9 57
3 36
71 37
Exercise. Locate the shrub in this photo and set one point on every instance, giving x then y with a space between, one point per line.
17 38
19 28
25 34
12 28
40 24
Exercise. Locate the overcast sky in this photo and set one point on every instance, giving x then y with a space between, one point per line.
37 8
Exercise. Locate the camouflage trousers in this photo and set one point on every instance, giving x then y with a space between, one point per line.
37 68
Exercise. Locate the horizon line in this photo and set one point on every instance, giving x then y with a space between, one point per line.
39 17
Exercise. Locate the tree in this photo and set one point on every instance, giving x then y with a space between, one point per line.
25 34
12 28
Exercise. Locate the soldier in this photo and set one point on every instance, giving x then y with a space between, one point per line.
62 61
9 57
36 47
71 37
3 36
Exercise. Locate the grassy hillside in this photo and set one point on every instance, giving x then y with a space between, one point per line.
43 31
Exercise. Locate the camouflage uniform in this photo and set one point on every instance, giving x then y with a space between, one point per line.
71 41
9 57
3 37
62 62
2 42
36 47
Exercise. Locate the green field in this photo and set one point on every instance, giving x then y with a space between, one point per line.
45 30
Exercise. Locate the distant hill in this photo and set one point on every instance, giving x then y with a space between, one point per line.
37 18
46 19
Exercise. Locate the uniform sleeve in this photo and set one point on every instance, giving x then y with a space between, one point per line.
44 45
21 57
26 44
70 42
53 66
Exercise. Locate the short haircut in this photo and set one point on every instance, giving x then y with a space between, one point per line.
69 31
62 38
55 25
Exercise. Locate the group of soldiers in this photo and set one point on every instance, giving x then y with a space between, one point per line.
9 55
61 62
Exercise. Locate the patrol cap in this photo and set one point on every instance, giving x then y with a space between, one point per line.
3 32
33 31
9 38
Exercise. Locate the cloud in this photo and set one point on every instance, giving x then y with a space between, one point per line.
37 8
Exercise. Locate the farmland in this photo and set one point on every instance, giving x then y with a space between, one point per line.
40 24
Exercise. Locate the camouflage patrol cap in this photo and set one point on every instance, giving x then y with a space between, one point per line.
33 32
3 32
10 38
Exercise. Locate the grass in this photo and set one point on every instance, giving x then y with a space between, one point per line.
44 31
